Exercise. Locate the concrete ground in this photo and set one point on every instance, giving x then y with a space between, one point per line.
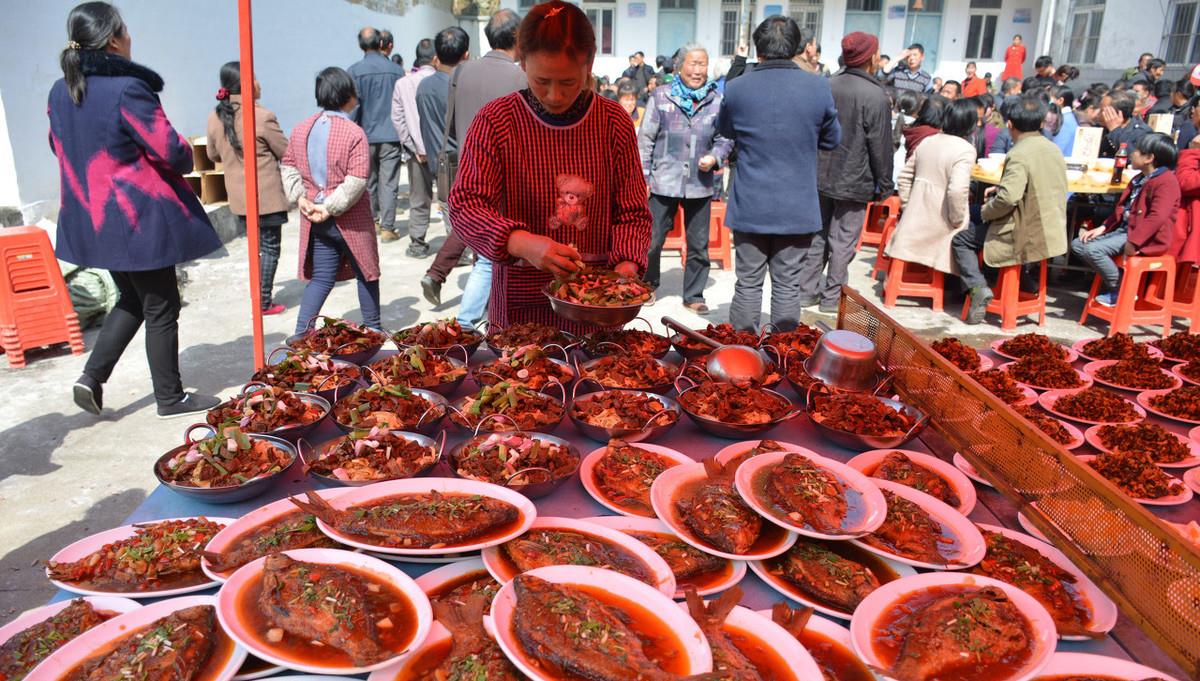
65 474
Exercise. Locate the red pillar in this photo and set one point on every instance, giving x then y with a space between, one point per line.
250 156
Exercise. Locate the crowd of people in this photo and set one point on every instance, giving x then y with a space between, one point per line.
540 168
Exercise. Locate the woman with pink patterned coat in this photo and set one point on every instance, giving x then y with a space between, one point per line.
325 172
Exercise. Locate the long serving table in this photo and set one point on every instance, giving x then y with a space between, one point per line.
570 500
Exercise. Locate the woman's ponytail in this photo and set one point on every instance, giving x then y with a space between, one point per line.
90 26
231 84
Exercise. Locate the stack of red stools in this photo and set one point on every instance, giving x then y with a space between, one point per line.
35 309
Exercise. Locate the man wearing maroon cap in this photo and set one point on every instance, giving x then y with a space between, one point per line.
849 176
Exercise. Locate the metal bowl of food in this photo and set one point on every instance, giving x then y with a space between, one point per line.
339 339
351 417
356 459
417 367
316 408
334 378
604 315
910 423
515 336
628 415
845 360
615 341
192 468
494 372
778 411
439 337
636 372
534 464
508 406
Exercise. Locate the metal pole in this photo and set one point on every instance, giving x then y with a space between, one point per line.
250 164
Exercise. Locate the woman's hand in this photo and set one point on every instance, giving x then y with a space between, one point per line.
626 269
1086 235
544 253
706 163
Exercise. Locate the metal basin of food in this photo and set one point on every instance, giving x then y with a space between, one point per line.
227 494
653 429
542 480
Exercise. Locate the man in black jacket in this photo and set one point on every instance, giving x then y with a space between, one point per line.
850 176
374 78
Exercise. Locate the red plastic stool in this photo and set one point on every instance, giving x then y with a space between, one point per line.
35 309
882 262
1010 302
1145 298
875 222
720 242
1186 303
676 238
911 279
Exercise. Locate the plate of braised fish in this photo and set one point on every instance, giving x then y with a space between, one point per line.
1088 667
455 582
738 452
422 516
700 503
143 560
278 526
175 638
952 626
619 475
923 532
571 541
832 577
810 494
693 568
923 472
324 611
569 619
35 635
827 642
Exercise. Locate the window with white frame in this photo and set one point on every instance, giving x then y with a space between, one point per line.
1181 45
864 15
981 28
603 16
731 25
1085 20
807 14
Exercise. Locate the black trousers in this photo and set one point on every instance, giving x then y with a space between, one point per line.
152 297
696 214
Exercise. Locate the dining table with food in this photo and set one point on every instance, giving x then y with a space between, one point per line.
450 503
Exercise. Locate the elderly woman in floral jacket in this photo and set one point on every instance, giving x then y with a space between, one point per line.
680 149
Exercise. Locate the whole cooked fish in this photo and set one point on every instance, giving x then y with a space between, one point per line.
897 467
727 659
174 648
25 649
908 531
295 530
419 521
763 447
625 473
824 575
166 551
322 603
685 560
808 493
561 625
541 547
485 584
473 656
717 514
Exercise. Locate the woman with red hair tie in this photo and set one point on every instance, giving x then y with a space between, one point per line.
549 177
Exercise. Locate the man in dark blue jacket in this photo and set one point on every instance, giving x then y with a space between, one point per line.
773 207
375 77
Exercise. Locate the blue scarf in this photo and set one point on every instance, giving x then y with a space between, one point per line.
687 98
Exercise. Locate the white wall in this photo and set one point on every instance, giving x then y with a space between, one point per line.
955 22
1129 29
186 42
9 196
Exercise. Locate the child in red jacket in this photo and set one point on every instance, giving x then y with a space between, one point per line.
1143 222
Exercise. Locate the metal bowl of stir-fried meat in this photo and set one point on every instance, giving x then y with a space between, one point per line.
613 341
724 334
1179 404
271 411
630 371
439 337
801 340
515 336
735 412
507 406
375 454
339 339
600 297
304 371
1116 346
697 370
630 415
224 466
528 365
533 464
416 367
1136 474
1132 374
391 406
845 360
862 421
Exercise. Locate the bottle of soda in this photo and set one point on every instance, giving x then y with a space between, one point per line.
1119 163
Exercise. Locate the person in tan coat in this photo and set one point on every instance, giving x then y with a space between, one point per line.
1025 216
225 147
934 190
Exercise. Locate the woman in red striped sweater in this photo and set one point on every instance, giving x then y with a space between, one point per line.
550 176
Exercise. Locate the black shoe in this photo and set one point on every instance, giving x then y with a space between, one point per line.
432 290
828 308
417 250
190 404
980 297
89 394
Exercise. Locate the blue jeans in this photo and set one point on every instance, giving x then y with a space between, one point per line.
326 250
475 293
1098 254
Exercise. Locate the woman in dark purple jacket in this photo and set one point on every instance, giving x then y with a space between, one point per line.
125 205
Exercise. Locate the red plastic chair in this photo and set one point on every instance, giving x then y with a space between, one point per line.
720 241
882 262
1145 298
875 221
1010 302
35 309
676 240
912 280
1186 303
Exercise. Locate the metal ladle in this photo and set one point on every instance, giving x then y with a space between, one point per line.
737 364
